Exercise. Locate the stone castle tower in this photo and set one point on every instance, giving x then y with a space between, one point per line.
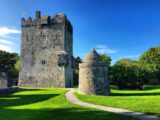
46 52
93 75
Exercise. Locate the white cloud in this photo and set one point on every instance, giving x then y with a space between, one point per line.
131 56
6 42
5 32
103 49
6 48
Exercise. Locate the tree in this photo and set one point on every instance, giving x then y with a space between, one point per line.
17 65
106 59
146 71
127 74
7 63
77 60
152 58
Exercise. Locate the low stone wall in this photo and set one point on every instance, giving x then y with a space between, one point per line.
3 81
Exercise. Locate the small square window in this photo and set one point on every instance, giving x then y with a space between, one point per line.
43 49
43 62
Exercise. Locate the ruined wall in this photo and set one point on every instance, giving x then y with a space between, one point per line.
3 81
46 52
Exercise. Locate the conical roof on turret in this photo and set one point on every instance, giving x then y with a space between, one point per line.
92 56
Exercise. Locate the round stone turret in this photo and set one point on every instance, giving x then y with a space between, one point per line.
93 75
93 56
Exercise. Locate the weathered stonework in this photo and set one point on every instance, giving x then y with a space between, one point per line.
93 75
46 52
3 81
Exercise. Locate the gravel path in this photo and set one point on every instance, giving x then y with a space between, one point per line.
70 97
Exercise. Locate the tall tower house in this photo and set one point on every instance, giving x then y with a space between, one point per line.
46 52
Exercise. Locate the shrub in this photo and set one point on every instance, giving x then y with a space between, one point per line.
127 74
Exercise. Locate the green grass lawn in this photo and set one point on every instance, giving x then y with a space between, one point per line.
48 104
146 101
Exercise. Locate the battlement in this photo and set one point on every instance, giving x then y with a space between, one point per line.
45 20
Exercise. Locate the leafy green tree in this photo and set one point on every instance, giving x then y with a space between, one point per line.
151 56
17 64
106 58
146 71
77 60
7 63
127 74
151 59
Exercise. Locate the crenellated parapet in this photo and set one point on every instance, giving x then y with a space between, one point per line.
46 20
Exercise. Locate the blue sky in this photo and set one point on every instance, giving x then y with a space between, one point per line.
119 28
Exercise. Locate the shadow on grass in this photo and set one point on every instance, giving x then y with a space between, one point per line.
18 100
146 87
72 113
13 90
135 94
30 89
151 87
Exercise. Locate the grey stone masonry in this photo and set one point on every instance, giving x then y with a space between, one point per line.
46 52
3 81
93 75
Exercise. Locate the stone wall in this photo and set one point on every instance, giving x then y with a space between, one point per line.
46 52
3 81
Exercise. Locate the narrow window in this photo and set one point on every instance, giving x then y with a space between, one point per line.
27 38
43 49
56 36
43 62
